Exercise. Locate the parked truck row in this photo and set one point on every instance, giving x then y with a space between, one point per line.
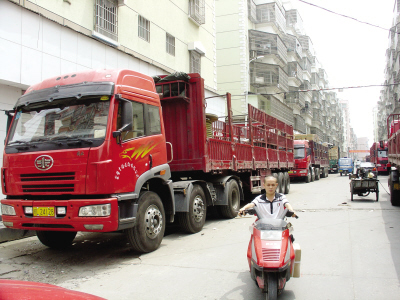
393 133
113 150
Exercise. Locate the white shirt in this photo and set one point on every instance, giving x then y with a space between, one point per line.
272 210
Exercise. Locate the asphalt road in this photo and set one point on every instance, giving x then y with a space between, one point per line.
350 250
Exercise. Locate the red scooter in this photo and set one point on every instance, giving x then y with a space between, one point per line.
273 257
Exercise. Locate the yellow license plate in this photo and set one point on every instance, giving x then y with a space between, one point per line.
396 186
42 211
290 172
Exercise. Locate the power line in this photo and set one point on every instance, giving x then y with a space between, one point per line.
339 14
317 90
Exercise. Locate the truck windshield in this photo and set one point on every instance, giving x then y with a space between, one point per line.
345 161
382 153
61 119
299 152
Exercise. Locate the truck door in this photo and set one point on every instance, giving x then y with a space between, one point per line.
138 150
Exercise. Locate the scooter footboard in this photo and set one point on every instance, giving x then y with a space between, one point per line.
297 260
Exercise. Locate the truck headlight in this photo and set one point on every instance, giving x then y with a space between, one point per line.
7 210
102 210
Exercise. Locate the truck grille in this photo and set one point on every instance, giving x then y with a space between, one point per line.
271 254
47 187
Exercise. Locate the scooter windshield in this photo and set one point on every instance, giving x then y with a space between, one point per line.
270 224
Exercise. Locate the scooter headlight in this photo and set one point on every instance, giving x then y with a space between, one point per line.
272 235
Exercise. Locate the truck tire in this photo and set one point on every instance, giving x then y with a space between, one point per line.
230 210
149 230
56 239
193 220
323 172
317 173
312 171
308 177
281 182
394 195
287 183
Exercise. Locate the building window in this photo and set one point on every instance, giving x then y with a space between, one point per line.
195 62
106 22
197 10
144 29
170 44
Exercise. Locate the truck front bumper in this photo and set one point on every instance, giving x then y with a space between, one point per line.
298 173
70 221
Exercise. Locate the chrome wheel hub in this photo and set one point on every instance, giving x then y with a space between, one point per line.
198 208
154 221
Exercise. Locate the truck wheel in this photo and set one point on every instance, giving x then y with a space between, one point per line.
231 210
56 239
323 173
317 174
341 174
394 195
193 221
326 174
287 183
377 194
149 230
308 177
312 171
281 182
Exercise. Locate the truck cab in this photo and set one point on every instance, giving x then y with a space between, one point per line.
345 165
302 160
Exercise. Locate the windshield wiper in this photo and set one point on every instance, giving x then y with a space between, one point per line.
21 142
47 140
72 139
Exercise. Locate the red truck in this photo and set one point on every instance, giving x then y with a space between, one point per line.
379 156
393 133
99 151
311 160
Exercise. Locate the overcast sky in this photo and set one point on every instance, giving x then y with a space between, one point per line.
351 53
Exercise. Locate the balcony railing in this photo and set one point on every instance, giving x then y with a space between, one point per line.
271 13
266 75
307 45
264 43
294 20
306 86
316 98
252 11
293 45
299 124
315 79
306 65
306 111
295 71
295 97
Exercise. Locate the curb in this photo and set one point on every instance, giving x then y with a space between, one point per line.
7 234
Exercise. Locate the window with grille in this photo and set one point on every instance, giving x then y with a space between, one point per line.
197 10
170 44
106 18
144 28
195 62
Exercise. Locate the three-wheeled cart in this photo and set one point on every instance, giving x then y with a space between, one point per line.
364 186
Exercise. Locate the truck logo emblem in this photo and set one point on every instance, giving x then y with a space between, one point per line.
43 162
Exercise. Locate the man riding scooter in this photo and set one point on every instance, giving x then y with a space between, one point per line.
271 204
272 256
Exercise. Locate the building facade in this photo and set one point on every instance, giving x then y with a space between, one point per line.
390 94
265 58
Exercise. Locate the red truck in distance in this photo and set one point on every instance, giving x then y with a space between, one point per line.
379 156
99 151
311 160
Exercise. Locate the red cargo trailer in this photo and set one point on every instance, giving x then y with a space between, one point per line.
99 151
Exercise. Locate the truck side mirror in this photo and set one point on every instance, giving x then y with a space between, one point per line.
126 118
